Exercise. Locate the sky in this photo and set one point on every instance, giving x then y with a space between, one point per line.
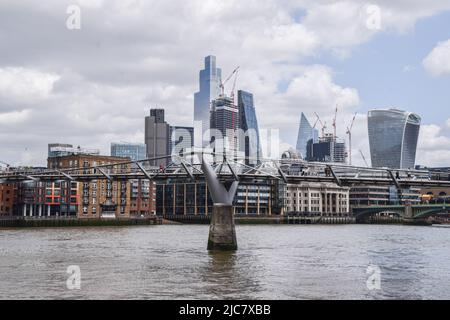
91 81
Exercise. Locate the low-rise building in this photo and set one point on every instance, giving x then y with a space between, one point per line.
134 151
143 198
317 198
185 197
382 195
435 195
97 198
8 194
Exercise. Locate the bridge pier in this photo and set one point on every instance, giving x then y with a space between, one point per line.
222 231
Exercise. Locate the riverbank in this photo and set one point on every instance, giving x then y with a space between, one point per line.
45 222
36 222
202 219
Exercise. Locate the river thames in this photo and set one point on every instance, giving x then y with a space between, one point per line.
273 262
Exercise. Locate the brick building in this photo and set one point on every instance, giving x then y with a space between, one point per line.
8 196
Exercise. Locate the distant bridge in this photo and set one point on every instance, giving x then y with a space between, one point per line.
420 211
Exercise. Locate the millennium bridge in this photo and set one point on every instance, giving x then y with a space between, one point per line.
223 174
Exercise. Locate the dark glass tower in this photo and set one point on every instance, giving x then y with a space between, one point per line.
250 142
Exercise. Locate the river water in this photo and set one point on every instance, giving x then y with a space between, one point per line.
273 262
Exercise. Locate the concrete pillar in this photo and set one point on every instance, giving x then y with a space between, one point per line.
408 211
48 210
24 209
222 232
40 210
31 210
337 203
195 198
309 199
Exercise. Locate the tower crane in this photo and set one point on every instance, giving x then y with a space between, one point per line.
324 125
222 83
334 122
349 132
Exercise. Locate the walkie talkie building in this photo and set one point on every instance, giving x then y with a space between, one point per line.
393 136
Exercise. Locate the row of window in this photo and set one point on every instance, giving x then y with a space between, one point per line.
315 195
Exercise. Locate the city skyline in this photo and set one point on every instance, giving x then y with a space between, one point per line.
368 68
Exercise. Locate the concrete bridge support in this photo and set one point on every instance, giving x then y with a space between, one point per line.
222 231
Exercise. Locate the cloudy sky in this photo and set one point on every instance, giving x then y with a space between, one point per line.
94 85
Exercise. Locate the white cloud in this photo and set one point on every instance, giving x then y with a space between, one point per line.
432 149
14 118
26 82
437 62
95 85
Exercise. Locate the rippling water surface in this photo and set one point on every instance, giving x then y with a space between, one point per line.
273 262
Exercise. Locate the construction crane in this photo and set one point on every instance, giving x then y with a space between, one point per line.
222 83
349 132
324 125
234 84
334 122
364 158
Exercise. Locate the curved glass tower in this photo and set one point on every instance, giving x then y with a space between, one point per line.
393 136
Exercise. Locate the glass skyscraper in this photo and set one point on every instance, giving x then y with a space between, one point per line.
209 81
248 122
305 133
225 122
393 136
135 151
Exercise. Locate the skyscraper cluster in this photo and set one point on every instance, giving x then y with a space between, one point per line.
393 135
325 148
220 124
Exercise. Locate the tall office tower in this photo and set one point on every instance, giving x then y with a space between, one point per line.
393 136
157 137
224 124
181 140
328 149
209 81
250 142
305 133
134 151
